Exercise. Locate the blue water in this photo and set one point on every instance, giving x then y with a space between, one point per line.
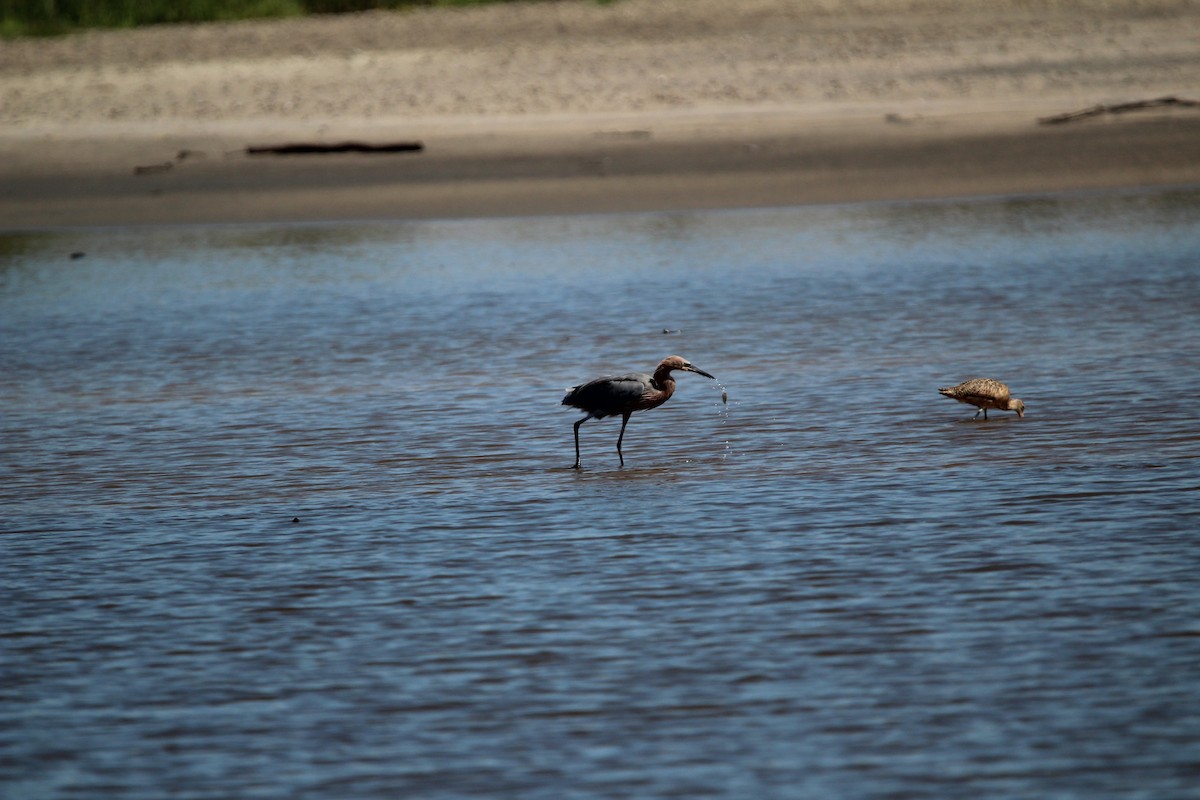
288 512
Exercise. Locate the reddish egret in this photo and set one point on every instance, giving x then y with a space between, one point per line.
625 394
984 393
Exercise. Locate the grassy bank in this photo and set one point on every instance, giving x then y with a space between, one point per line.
51 17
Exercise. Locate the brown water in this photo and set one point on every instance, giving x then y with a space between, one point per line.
287 512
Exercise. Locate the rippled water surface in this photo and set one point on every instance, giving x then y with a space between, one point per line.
288 511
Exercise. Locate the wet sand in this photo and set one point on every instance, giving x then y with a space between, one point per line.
578 107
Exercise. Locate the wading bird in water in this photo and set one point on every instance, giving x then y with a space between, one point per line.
984 393
625 394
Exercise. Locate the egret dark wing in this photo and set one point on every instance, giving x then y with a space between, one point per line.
609 396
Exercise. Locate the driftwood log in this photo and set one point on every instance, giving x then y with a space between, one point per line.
1119 108
316 148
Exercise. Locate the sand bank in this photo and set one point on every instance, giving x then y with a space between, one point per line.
577 107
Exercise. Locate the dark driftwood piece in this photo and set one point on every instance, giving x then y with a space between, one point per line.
1119 108
316 148
152 169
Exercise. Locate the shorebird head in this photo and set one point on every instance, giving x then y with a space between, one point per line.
1016 405
679 362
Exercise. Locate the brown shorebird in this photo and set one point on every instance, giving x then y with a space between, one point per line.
625 394
984 393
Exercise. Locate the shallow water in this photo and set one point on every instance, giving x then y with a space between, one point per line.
288 511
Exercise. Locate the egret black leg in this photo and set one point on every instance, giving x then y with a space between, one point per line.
978 410
577 424
624 422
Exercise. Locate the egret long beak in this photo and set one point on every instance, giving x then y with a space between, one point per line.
698 371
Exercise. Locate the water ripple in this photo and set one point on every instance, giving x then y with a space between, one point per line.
290 513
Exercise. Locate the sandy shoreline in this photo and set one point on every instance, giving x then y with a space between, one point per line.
574 107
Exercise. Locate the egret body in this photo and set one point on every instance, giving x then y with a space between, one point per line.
625 394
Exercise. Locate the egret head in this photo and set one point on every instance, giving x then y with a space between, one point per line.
678 362
1016 405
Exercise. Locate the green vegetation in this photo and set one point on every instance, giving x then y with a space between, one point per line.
49 17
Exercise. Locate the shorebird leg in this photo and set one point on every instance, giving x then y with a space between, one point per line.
577 424
624 422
